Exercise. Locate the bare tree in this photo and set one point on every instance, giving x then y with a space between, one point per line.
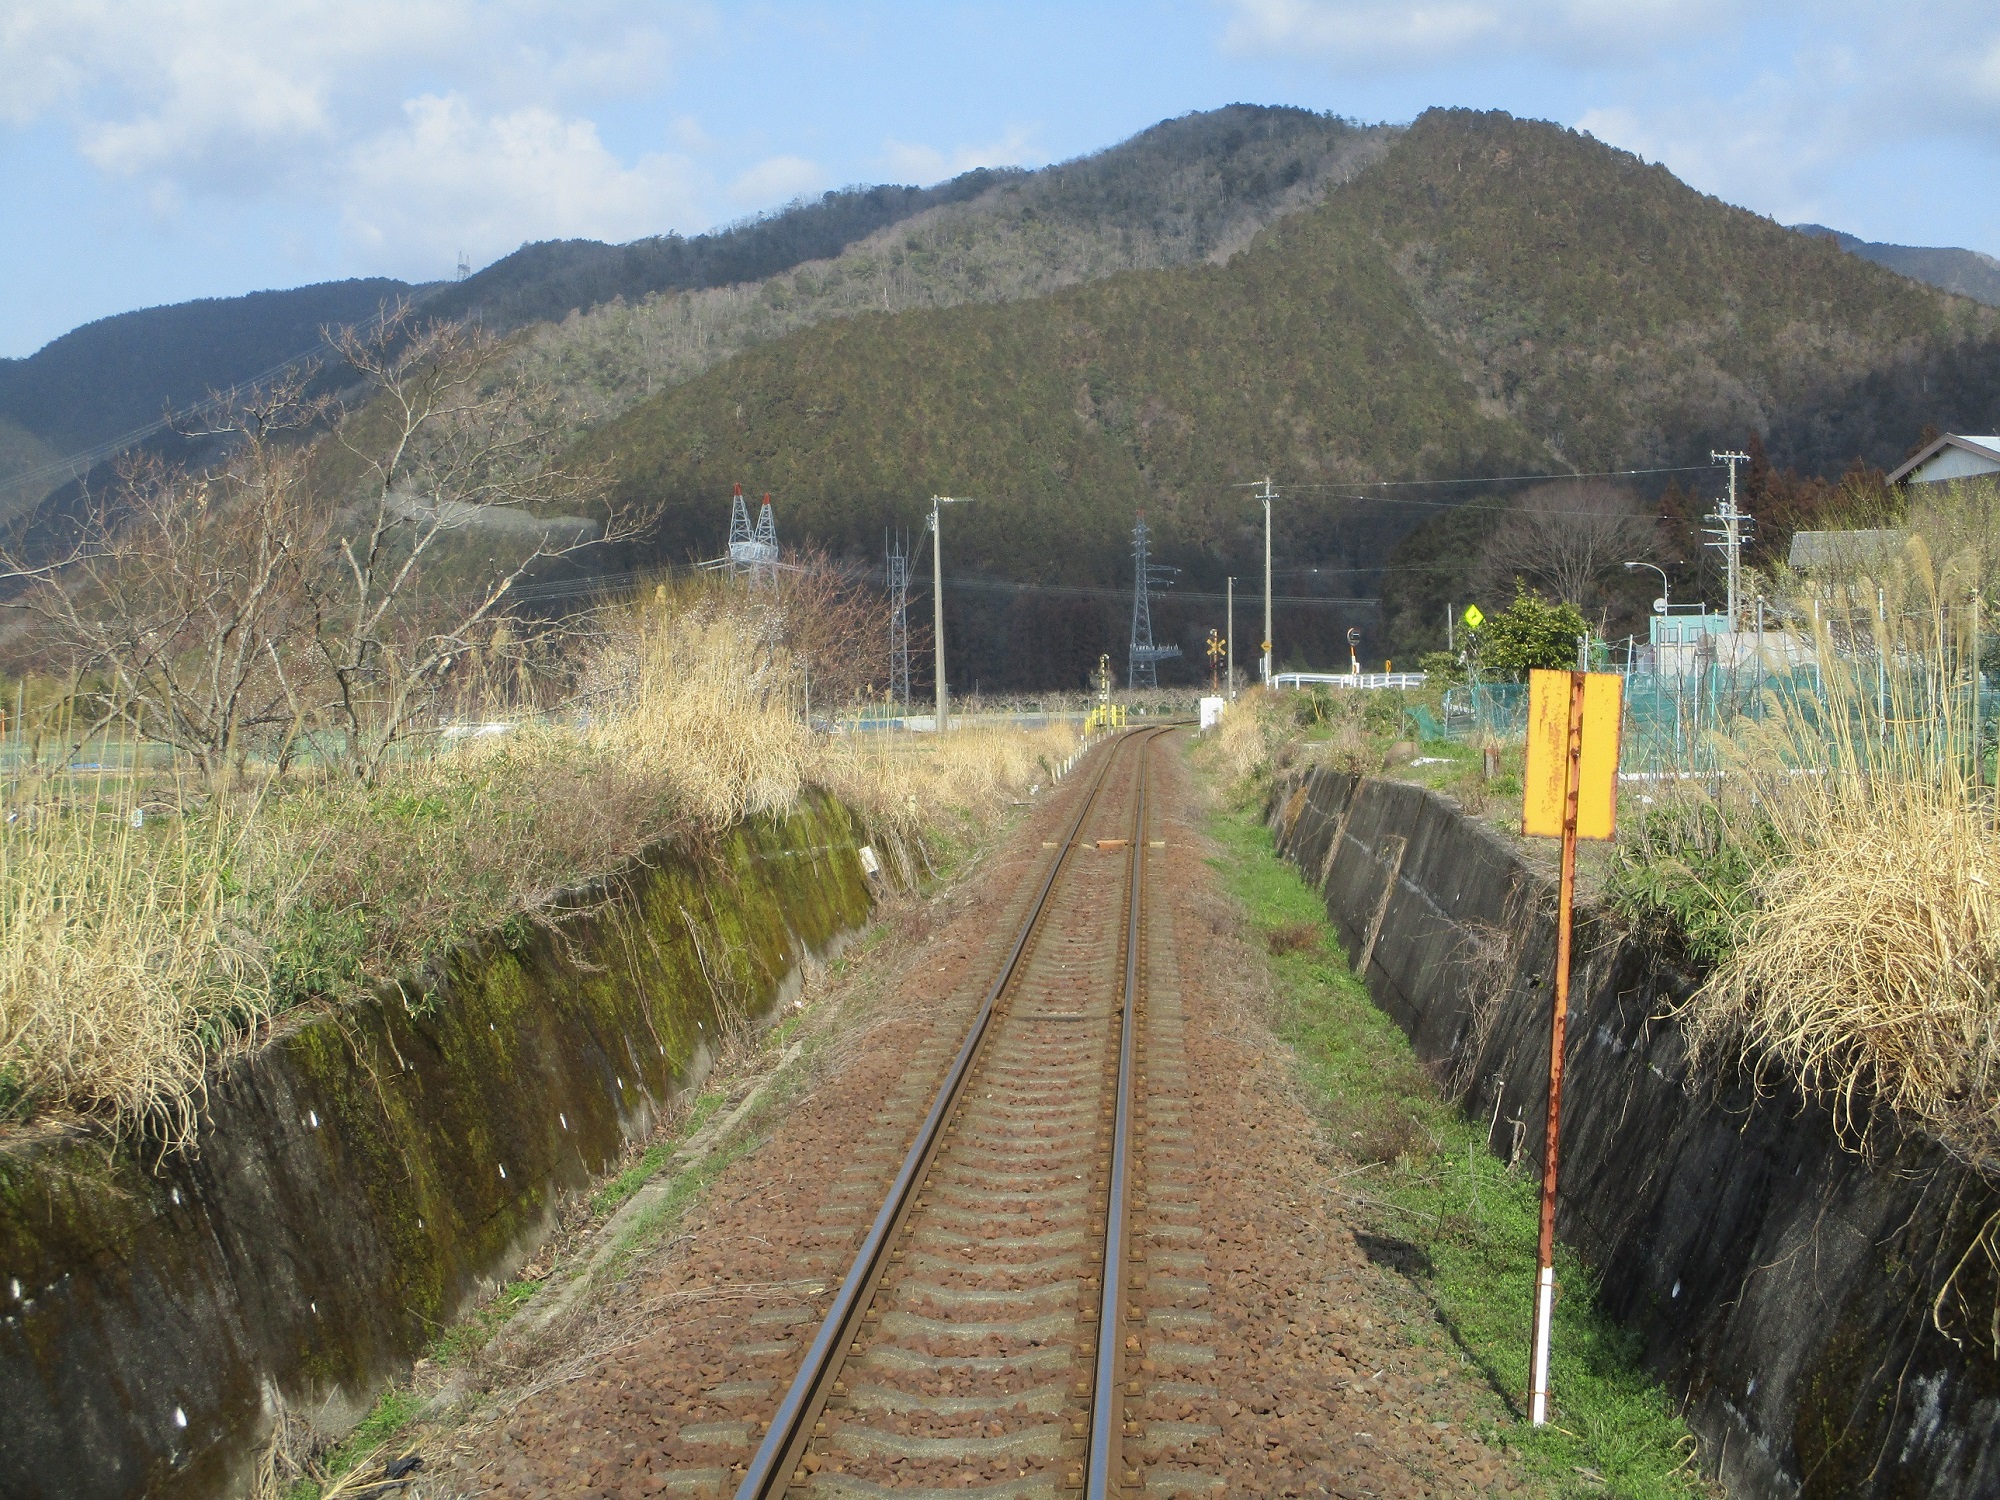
835 623
454 495
1565 538
178 600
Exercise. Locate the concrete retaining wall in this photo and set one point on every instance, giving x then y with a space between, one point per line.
1783 1286
363 1178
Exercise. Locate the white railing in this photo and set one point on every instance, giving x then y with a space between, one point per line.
1348 679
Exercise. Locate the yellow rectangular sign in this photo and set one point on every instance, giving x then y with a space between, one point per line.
1545 775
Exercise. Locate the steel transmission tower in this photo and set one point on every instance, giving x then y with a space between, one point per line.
1142 668
753 552
899 620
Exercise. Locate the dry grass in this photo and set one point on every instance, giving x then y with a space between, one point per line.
1252 732
134 955
1871 962
1866 963
123 959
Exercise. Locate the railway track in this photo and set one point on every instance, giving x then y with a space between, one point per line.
987 1337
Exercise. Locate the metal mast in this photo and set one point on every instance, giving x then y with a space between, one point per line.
1728 531
740 539
753 553
1142 667
899 621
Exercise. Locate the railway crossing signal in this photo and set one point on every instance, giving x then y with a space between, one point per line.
1570 792
1216 647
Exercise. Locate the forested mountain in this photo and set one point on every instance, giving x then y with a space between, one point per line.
635 318
1967 272
76 400
119 373
1229 294
1490 296
553 278
1190 189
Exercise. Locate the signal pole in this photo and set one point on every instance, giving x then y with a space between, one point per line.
1230 641
937 602
1728 533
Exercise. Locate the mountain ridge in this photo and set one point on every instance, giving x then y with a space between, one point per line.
1969 273
1489 296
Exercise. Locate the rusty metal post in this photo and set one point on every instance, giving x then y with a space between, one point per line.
1545 1271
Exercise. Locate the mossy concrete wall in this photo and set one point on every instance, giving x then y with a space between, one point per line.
1784 1286
362 1179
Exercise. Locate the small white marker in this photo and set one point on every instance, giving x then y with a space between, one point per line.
503 1169
565 1120
15 1286
312 1118
180 1417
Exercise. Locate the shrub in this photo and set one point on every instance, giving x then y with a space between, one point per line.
1530 633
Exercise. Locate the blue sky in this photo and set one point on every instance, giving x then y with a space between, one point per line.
153 152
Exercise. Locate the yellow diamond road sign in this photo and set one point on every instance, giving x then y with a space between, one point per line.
1472 617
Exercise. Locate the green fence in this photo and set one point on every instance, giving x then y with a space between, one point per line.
1677 722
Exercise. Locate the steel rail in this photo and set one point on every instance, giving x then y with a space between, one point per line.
771 1467
1105 1474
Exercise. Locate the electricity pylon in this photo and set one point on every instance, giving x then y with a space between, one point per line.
899 620
1142 666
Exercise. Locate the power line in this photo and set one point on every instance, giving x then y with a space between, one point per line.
1374 484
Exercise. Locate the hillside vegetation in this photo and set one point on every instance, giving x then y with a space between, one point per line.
551 279
1970 273
1490 296
119 373
1188 190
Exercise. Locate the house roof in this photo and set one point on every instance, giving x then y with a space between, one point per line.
1850 549
1987 448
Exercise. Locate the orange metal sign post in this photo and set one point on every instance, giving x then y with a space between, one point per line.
1570 792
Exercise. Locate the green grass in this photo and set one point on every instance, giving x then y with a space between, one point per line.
1458 1221
394 1410
626 1183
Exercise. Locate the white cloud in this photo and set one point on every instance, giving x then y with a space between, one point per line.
775 180
452 178
210 92
1793 138
907 162
1350 34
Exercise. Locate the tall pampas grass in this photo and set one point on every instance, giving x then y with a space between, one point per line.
1866 965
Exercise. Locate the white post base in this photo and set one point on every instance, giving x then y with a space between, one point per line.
1545 1303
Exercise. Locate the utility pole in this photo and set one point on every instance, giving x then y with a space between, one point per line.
938 502
1268 496
1727 527
1229 641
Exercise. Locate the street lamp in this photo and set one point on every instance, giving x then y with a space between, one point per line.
937 601
1661 607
